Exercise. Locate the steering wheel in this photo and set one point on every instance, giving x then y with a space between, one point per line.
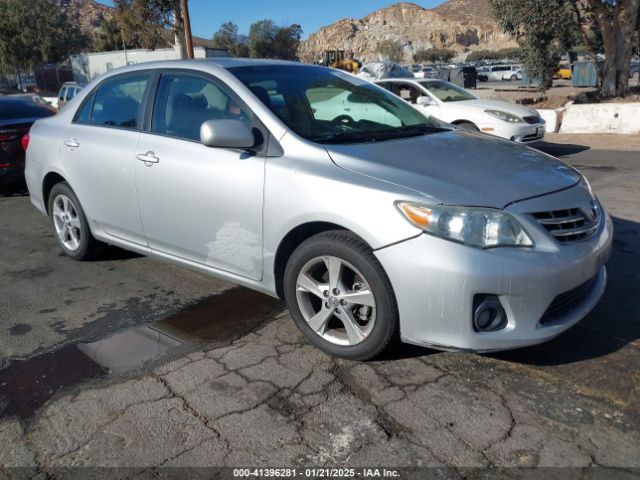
343 120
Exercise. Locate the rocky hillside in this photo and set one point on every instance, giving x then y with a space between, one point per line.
86 14
461 25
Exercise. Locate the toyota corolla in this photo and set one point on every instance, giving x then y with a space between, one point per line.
381 226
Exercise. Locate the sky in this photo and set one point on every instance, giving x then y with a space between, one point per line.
208 15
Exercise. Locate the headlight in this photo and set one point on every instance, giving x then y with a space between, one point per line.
507 117
477 227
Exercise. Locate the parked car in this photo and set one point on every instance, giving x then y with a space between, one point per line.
425 71
17 114
389 224
483 73
513 76
28 83
563 72
67 92
634 71
452 104
495 73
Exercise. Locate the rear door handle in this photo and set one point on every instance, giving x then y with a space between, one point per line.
72 143
148 158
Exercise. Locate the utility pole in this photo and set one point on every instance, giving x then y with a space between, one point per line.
124 47
187 28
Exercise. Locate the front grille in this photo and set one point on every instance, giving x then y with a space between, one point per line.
567 301
532 136
532 119
568 225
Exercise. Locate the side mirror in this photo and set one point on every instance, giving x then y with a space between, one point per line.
226 133
424 101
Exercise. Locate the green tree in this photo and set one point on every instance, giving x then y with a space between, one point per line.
40 33
389 50
547 29
228 38
145 23
501 54
287 41
267 40
612 24
434 55
108 37
544 33
262 35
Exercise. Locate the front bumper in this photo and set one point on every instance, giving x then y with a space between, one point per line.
518 132
435 281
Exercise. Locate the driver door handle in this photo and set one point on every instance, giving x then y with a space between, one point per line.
148 158
72 143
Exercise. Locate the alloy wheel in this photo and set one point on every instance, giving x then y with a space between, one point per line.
336 300
67 222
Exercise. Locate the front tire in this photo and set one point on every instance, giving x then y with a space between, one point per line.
340 297
469 126
70 225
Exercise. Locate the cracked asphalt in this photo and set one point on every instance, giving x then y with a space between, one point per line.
239 386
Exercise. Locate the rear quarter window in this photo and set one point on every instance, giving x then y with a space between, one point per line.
83 115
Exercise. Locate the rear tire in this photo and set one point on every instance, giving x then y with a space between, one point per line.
340 297
514 78
70 226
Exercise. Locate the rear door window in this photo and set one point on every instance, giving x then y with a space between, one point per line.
118 101
63 92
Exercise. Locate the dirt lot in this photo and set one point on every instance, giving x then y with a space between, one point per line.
131 362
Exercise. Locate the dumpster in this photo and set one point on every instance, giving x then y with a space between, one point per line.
465 77
470 75
528 81
584 74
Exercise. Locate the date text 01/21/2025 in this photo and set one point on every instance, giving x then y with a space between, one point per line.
312 473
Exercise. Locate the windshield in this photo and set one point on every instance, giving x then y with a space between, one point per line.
328 106
447 92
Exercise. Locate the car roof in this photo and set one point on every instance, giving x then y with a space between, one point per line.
198 64
17 98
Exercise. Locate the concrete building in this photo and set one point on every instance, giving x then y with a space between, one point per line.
87 66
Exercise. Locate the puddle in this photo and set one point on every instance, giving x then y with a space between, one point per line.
26 385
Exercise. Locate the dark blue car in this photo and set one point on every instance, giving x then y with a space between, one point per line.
17 114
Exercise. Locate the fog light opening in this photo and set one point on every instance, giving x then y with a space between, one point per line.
488 314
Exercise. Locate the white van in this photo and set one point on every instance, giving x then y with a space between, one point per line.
496 73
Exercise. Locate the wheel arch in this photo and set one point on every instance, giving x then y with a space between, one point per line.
293 239
463 121
50 179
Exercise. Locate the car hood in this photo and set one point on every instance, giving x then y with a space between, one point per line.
458 167
513 108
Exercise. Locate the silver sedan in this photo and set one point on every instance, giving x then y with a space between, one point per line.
372 220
